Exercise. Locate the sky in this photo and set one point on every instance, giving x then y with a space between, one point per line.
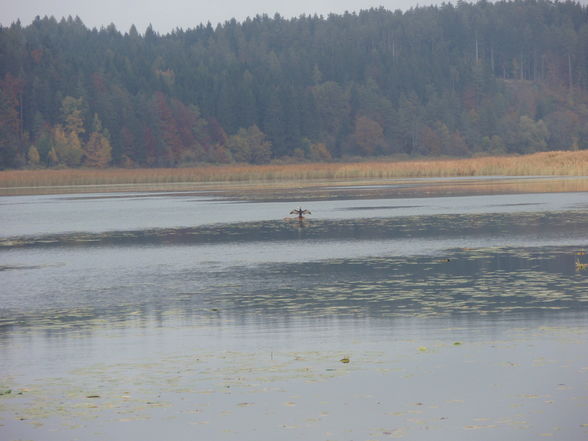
166 15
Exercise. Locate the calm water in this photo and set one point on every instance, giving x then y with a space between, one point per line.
195 316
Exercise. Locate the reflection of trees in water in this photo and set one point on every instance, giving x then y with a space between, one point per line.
467 283
493 281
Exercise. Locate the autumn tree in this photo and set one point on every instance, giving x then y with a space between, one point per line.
33 156
250 145
531 135
52 158
66 138
564 129
73 120
430 142
67 148
171 143
493 145
98 151
368 136
319 152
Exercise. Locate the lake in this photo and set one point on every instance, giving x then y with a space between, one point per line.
415 309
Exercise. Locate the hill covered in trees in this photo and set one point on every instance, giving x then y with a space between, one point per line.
503 77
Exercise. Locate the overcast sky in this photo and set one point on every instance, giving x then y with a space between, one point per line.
166 15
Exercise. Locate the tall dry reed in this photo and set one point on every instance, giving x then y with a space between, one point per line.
564 163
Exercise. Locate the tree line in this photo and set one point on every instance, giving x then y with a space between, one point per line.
470 78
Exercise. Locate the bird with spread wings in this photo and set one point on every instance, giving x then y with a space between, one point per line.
300 212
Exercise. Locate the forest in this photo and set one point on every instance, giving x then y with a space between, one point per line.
464 79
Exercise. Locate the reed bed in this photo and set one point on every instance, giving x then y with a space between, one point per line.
556 163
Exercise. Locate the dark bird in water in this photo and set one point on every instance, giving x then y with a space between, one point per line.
300 212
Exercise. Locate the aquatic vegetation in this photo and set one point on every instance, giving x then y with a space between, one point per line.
302 392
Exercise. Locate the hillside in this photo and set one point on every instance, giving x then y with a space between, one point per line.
504 77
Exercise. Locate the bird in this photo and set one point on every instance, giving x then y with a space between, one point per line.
300 212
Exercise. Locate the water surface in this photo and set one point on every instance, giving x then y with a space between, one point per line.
193 315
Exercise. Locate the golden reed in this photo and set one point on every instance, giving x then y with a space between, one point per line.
556 163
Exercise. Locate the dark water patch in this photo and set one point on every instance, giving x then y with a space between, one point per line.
22 267
569 224
515 205
201 195
381 207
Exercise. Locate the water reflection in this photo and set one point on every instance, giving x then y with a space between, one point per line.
457 281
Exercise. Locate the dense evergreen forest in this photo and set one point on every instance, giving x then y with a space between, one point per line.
503 77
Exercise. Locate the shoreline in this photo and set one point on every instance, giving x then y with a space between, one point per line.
543 166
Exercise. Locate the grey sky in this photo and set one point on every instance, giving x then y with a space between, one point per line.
166 15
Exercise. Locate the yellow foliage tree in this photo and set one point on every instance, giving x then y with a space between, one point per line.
68 147
320 152
71 111
98 151
52 157
33 156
